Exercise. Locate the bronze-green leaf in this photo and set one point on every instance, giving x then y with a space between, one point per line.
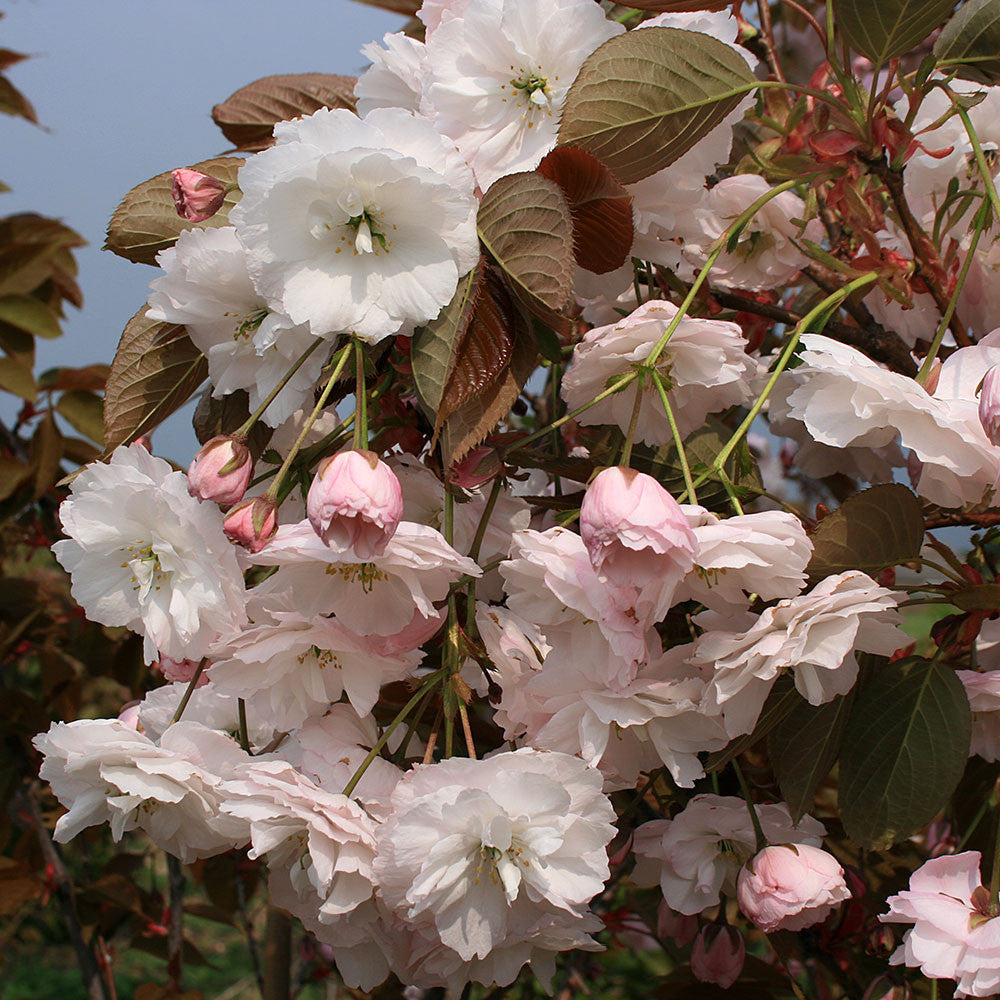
973 36
870 531
84 411
884 29
905 746
156 370
643 99
247 119
525 225
29 314
147 222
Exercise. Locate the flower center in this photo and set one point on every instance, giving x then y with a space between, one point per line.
323 657
530 91
368 573
144 563
249 324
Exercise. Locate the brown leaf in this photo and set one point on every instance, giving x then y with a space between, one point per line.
91 378
599 204
13 102
475 418
9 58
484 350
249 116
155 371
146 220
46 453
408 7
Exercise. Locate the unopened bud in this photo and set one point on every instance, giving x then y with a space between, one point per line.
355 502
881 941
252 523
221 471
989 404
197 196
718 955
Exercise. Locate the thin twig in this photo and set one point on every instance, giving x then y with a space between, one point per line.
175 924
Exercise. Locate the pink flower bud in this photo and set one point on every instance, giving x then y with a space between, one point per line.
478 467
197 196
989 404
252 523
130 715
790 886
635 532
680 927
718 955
355 502
221 471
181 670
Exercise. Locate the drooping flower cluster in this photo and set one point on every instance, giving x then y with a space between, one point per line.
461 666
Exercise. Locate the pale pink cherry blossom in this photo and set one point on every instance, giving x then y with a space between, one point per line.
983 690
764 554
424 501
377 596
104 771
555 696
473 845
208 706
498 72
355 501
698 854
681 928
790 886
329 749
718 955
396 76
844 404
989 404
814 635
220 471
319 845
251 524
704 365
433 12
289 667
206 287
145 554
766 255
180 670
636 533
358 224
197 196
550 581
955 934
130 715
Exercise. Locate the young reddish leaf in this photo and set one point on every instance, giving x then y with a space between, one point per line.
248 117
146 220
600 206
484 350
155 371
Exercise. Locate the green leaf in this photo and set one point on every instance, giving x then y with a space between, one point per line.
147 222
599 204
643 99
156 370
29 314
434 348
781 701
870 531
973 34
884 29
85 412
17 379
905 746
525 225
804 746
247 119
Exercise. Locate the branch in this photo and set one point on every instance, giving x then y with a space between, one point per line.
241 899
950 519
928 264
175 926
277 955
93 981
877 342
767 32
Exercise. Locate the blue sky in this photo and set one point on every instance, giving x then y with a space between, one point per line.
124 91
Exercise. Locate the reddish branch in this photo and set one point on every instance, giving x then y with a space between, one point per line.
93 981
928 264
953 519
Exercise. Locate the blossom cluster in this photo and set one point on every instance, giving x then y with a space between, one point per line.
576 630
